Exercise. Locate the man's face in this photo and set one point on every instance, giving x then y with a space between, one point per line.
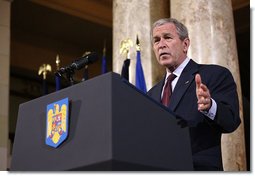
170 51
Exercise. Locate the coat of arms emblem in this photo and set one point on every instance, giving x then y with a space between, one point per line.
57 122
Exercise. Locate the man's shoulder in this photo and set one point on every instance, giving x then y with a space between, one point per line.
210 70
212 67
214 73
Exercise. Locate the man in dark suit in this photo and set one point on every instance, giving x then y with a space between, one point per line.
203 96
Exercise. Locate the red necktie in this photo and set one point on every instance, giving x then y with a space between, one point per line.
168 90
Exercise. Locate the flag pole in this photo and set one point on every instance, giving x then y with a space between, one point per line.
44 69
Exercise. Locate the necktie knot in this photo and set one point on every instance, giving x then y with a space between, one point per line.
171 77
168 90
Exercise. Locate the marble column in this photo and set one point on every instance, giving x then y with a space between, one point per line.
132 18
5 7
211 28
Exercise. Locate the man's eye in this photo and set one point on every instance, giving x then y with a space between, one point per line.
156 40
168 38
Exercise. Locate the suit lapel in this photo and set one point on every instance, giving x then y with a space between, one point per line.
158 90
185 80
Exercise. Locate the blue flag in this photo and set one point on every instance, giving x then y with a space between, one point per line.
57 78
139 81
58 82
104 64
139 77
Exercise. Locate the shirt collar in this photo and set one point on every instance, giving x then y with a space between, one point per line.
179 69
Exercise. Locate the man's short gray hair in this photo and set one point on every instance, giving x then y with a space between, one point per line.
182 30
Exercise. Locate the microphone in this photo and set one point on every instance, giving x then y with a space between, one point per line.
85 60
78 63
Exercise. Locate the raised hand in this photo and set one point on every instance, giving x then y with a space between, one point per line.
204 101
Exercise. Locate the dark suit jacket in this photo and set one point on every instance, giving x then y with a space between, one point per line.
205 133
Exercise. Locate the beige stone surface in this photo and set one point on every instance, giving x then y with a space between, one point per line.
3 131
5 40
4 102
4 69
4 13
132 18
3 160
5 7
211 28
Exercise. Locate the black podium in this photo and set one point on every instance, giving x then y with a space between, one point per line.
112 127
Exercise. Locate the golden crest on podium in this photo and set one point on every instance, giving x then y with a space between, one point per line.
57 123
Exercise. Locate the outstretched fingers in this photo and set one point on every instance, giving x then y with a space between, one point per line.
203 94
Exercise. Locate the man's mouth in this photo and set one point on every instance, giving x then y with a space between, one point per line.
162 54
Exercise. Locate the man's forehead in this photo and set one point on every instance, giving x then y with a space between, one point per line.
165 29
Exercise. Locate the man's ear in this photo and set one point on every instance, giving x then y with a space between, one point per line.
186 43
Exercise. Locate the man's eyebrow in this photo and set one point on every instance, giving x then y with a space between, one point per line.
165 34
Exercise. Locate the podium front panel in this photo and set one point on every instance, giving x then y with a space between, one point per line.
112 126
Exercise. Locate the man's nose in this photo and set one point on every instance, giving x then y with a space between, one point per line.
162 43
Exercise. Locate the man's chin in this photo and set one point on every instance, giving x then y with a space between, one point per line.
168 65
165 63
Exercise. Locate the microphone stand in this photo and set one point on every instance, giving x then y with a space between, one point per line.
69 74
85 73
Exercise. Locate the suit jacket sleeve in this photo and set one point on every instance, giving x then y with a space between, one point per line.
223 90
